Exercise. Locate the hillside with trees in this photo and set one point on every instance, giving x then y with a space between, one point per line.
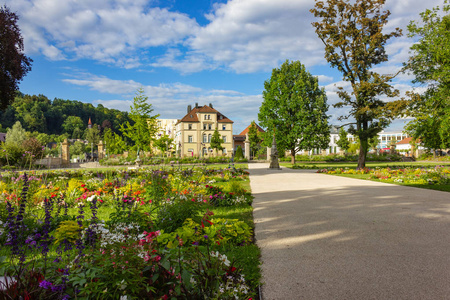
69 117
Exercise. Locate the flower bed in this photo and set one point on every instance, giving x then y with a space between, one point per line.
439 175
137 234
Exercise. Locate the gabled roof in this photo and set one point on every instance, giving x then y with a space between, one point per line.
407 141
191 117
248 128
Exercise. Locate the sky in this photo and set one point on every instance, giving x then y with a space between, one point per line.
185 52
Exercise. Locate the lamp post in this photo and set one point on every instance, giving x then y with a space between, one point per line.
92 151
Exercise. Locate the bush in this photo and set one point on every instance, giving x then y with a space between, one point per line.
173 214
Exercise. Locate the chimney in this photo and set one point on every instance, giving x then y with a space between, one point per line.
189 108
210 105
196 104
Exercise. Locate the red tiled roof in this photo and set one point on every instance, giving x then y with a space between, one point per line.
406 141
192 115
248 128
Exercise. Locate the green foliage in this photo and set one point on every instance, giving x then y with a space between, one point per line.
343 141
93 135
14 65
294 108
73 126
254 138
429 63
222 231
163 143
67 230
239 153
216 141
354 39
16 135
173 214
114 142
77 148
143 129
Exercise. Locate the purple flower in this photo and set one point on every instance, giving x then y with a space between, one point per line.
205 236
45 284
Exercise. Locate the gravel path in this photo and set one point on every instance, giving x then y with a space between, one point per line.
330 237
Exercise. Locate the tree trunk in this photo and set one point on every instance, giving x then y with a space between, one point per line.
364 144
293 156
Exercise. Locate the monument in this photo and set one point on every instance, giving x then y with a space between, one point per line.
274 164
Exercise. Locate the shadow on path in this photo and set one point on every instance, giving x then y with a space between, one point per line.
330 237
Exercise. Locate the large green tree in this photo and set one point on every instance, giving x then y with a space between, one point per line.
143 129
13 63
430 65
294 108
354 39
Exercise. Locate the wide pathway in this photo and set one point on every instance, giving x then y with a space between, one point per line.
330 237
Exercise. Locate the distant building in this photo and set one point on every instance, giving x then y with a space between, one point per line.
2 137
239 139
194 131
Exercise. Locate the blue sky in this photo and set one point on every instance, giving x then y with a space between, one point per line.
183 52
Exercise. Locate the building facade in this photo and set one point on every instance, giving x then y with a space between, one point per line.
193 133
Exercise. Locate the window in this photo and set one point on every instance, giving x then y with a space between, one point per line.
209 138
210 149
206 117
159 123
209 117
224 127
205 138
224 150
210 126
190 139
189 126
383 138
204 126
204 151
224 138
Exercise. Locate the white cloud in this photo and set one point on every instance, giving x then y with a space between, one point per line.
106 31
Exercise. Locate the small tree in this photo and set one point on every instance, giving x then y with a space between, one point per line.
143 130
163 143
216 141
294 107
16 135
343 141
254 138
239 153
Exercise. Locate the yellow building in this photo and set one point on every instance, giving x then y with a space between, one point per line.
194 132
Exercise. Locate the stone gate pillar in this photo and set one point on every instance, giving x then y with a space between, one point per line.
65 153
247 147
101 150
